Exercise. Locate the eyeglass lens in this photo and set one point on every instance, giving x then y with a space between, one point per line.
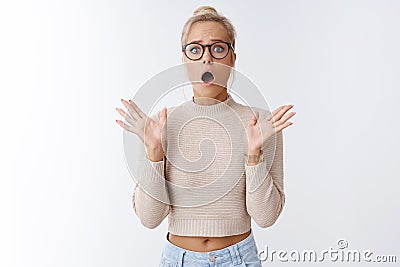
218 50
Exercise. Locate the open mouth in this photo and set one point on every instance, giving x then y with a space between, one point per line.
207 77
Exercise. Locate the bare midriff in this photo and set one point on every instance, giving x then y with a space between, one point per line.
204 244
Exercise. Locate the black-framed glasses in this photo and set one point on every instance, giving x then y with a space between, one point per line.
218 50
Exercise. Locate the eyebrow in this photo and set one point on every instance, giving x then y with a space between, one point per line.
200 41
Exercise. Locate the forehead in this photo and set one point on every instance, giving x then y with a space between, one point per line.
203 31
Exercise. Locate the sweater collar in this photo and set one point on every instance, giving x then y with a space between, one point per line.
213 109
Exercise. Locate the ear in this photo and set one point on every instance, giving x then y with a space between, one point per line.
234 58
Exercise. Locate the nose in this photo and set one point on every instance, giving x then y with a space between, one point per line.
207 58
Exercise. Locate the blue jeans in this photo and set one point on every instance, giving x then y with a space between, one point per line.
242 253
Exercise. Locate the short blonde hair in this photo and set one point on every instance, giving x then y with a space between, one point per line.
208 13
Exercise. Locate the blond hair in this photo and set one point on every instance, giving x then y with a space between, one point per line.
208 13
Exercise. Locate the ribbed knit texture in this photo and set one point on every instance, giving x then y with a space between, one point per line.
211 191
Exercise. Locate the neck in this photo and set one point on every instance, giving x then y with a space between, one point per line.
220 108
200 100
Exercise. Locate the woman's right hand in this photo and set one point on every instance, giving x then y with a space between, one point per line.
147 129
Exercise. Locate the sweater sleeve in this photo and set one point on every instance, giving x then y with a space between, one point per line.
150 195
265 196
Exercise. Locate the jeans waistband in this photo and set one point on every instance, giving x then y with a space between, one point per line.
227 254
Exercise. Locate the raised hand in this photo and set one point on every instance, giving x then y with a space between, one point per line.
147 129
259 131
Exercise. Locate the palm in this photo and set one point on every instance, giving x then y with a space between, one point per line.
257 134
258 131
147 129
150 131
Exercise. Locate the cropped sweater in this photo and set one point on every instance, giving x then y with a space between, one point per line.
203 184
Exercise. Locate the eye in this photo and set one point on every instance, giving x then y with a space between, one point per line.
194 50
219 49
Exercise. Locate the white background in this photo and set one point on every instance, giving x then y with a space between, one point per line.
65 191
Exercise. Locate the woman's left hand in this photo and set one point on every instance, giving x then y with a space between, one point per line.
259 133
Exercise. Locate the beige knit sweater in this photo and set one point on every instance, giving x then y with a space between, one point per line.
203 184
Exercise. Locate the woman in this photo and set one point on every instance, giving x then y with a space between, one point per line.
218 233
